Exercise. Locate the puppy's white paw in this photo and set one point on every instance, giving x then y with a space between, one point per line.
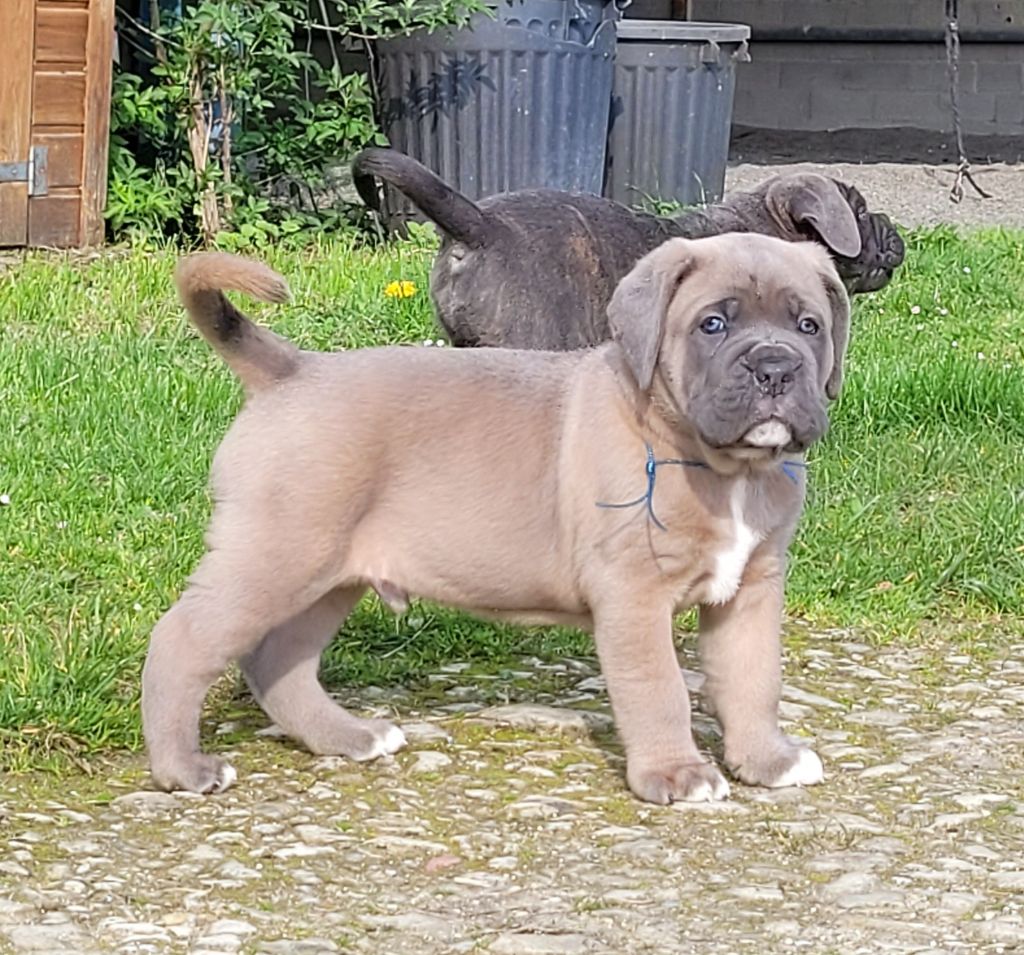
775 763
200 773
225 778
358 739
385 739
678 782
708 790
394 740
806 770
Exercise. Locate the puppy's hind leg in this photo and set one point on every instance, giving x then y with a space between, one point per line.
181 666
282 674
232 600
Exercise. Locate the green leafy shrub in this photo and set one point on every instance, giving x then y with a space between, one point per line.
230 134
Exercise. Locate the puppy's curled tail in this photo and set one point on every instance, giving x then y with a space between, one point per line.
258 356
459 217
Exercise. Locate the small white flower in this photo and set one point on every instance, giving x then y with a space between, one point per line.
915 309
440 343
981 356
919 326
954 344
136 607
428 342
5 499
943 311
967 270
61 525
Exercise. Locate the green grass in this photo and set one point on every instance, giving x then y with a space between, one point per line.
917 505
112 407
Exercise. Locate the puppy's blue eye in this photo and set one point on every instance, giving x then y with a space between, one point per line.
713 325
807 326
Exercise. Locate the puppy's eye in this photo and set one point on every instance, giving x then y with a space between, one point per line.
807 326
713 325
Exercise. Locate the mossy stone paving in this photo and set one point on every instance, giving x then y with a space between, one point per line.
505 827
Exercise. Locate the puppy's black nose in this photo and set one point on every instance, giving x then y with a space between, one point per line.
773 366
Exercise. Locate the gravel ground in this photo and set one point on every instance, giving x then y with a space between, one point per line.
909 173
506 828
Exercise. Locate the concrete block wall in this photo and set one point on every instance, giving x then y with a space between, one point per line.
650 9
977 17
810 85
836 85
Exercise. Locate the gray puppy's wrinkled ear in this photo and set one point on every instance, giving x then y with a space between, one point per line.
636 313
815 201
840 304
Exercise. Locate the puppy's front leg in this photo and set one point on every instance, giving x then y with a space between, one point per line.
650 703
741 658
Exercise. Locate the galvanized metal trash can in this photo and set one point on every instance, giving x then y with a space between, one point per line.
516 102
672 110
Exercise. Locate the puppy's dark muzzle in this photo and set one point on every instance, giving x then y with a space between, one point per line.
893 248
882 252
774 367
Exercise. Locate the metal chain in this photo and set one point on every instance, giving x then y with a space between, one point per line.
963 165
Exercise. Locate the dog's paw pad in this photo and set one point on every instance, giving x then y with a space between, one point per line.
806 770
686 782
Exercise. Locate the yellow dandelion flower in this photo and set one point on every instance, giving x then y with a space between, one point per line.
403 289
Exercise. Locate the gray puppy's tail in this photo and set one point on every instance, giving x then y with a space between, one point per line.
258 356
459 217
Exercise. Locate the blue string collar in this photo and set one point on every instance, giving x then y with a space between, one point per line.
789 468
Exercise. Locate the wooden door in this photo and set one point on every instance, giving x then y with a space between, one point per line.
16 48
55 75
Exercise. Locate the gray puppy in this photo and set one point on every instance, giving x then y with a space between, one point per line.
537 268
506 483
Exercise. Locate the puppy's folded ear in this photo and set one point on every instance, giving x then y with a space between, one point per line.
815 201
840 305
637 311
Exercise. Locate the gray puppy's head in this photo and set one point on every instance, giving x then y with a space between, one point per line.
881 246
744 336
865 246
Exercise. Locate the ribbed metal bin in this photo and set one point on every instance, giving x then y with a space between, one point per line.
672 109
506 103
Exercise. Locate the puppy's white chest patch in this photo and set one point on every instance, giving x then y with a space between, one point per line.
730 562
